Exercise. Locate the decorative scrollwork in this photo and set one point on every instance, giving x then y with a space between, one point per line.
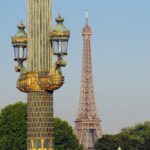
34 81
60 33
19 40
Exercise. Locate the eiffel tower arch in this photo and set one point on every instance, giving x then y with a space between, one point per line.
87 124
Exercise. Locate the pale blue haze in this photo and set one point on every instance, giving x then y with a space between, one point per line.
121 58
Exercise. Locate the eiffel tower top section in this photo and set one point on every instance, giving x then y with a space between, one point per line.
87 29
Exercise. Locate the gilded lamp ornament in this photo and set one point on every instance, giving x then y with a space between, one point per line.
41 81
19 41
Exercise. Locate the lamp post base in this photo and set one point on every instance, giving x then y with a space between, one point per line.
40 121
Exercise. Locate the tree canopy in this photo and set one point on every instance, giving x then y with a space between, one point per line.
13 128
131 138
64 137
107 142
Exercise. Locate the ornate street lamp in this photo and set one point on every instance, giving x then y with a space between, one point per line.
59 40
42 75
19 41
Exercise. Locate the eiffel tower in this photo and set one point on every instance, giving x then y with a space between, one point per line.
87 125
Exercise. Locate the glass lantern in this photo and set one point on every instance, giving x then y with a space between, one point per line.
60 46
20 53
59 38
19 42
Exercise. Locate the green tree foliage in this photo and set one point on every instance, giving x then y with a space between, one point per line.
130 142
147 143
13 127
133 138
107 142
64 137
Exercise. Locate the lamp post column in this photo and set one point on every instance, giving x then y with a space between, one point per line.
41 77
39 102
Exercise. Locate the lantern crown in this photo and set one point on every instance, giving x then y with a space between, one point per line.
60 31
20 38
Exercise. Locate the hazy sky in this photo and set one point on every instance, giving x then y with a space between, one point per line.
120 52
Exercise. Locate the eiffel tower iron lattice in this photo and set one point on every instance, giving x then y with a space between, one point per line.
87 125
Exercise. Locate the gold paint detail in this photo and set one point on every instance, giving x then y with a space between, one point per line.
32 145
55 33
19 40
33 81
42 145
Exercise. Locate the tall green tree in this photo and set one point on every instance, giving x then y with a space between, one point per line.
13 128
64 136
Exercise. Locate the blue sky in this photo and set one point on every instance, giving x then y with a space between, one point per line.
120 52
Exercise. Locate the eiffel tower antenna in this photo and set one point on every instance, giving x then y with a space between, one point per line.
86 15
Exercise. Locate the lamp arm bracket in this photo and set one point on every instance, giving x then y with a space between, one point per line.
37 81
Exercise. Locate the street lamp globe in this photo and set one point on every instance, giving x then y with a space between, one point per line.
59 38
19 42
